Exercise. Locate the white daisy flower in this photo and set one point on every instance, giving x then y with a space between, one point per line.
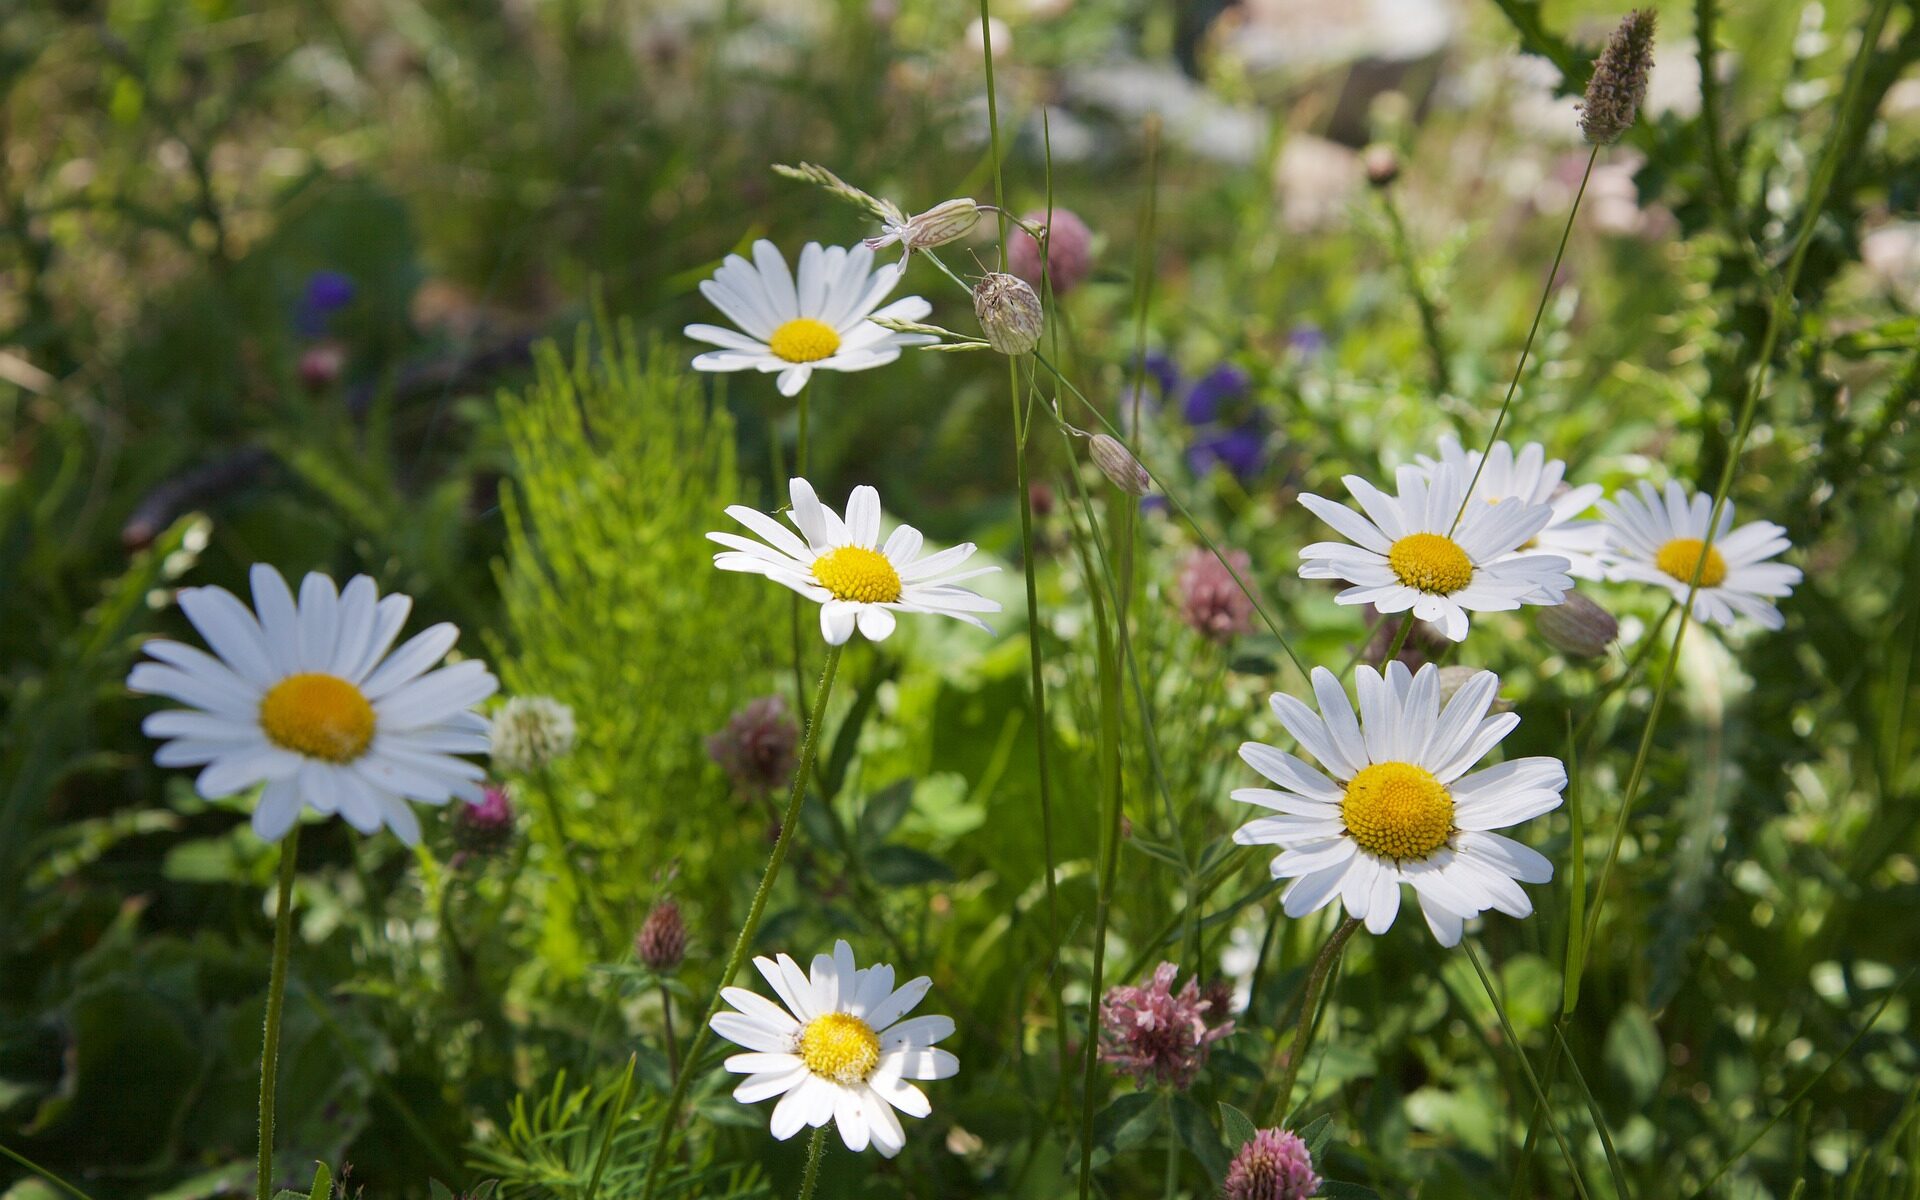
1419 550
1400 806
1531 476
838 1051
823 323
306 699
843 567
1658 539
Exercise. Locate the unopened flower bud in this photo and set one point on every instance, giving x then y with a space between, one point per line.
1009 312
1618 85
529 732
320 365
662 941
1382 163
1119 465
487 827
944 222
1578 627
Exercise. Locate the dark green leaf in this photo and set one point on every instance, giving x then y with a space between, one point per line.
1235 1127
884 812
1200 1137
899 866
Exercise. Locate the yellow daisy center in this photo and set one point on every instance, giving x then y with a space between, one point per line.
804 340
1681 557
840 1047
1397 810
1431 563
857 573
320 716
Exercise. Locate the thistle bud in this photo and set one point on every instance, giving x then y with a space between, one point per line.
1618 85
485 828
1578 627
662 941
1382 164
943 223
1119 465
1009 312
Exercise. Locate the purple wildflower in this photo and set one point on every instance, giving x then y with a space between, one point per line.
1273 1164
326 293
1241 449
1156 1035
757 749
1223 384
1210 601
1069 250
487 827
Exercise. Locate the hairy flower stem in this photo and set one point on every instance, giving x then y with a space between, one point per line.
676 1100
276 1002
666 1032
1309 1010
816 1149
1777 316
1526 347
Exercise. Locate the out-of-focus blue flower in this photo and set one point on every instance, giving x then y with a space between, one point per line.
1307 339
1241 449
326 293
1155 504
1162 371
1218 387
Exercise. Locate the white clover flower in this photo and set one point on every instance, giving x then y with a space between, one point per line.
839 1051
1400 807
842 566
305 698
1422 550
529 732
821 323
1658 539
1531 476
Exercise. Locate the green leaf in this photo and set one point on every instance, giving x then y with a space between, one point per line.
438 1191
1332 1189
1316 1133
1634 1055
323 1183
1124 1124
1201 1138
884 812
1236 1127
901 866
1159 850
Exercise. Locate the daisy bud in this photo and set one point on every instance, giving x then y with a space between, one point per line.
1578 627
1618 85
1273 1164
662 941
1119 465
1069 250
485 828
944 222
1382 164
1009 312
529 732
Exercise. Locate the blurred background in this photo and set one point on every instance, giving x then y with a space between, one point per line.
275 279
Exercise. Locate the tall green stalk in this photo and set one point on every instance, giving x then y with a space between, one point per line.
1777 315
816 1149
676 1100
1323 965
276 1002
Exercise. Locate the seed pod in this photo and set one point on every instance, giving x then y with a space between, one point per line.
662 941
1009 312
1578 627
1120 467
1619 82
1382 164
943 223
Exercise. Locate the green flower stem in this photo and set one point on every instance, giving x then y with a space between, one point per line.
563 846
28 1164
1526 347
1526 1067
816 1149
1422 301
666 1032
1777 316
1309 1009
677 1099
276 1002
1172 1183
